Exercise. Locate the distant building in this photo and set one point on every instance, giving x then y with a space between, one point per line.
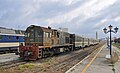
96 35
117 40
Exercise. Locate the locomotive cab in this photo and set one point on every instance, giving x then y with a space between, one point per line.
35 38
36 35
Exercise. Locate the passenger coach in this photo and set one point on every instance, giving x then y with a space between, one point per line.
10 42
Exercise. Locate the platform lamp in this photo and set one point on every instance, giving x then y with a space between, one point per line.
110 30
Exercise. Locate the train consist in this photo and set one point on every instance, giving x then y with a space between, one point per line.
10 39
43 42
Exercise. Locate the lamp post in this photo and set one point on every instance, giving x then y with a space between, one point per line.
110 30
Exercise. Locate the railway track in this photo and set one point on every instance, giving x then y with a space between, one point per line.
10 64
59 67
62 66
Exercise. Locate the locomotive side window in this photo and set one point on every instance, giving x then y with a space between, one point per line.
31 35
44 34
58 34
52 32
27 34
47 35
50 35
55 34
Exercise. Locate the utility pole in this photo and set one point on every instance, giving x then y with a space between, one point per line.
96 35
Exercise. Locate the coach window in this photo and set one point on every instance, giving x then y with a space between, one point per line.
1 37
17 37
10 37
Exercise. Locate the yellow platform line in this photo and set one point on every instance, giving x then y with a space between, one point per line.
76 64
91 61
79 62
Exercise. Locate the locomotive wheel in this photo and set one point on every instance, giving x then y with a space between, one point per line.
51 53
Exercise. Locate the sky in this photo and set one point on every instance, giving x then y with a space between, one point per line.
82 17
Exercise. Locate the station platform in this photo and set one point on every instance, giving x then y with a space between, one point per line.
8 57
97 62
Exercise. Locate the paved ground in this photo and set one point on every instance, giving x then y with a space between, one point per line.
8 57
99 65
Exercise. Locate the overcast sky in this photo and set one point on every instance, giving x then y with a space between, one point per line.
83 17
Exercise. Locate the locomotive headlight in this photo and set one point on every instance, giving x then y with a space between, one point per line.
28 53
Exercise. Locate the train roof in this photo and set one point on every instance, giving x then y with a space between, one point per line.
12 34
6 31
43 28
10 31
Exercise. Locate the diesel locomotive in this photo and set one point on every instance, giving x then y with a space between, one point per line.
42 42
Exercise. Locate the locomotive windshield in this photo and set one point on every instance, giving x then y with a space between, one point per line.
34 35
